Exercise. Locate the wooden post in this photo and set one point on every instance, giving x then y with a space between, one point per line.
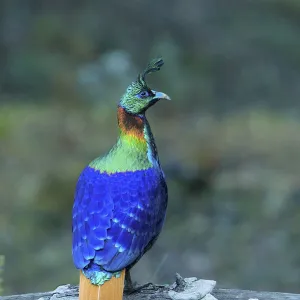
110 290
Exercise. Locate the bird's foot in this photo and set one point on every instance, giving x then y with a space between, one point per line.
135 289
130 288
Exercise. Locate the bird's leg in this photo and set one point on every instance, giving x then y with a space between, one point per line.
129 288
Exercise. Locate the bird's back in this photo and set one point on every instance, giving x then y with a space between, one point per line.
116 216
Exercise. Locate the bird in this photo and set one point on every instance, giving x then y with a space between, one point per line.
120 199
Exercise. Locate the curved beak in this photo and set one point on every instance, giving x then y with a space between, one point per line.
159 96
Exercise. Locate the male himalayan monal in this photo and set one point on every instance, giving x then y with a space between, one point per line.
120 199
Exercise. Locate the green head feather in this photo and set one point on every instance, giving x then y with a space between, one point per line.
138 96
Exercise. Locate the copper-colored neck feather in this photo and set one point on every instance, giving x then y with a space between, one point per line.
131 124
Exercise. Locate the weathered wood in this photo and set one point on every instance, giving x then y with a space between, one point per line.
187 289
228 294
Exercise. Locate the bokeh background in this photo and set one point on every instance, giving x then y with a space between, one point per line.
229 141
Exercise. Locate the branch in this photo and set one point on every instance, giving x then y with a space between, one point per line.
182 289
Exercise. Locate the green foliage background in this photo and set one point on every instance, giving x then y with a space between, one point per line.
229 141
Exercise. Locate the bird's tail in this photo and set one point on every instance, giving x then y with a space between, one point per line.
110 290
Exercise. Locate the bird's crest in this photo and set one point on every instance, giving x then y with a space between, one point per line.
153 66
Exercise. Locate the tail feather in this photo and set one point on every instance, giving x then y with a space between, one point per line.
110 290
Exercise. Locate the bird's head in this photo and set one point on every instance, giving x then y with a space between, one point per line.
138 96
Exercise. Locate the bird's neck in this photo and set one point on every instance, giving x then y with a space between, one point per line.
132 128
135 148
135 133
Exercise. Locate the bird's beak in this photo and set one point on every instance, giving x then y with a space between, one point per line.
159 96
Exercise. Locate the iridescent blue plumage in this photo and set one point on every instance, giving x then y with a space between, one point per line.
116 217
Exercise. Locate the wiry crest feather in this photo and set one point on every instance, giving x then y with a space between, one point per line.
153 66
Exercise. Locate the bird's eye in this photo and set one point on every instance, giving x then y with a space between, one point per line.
143 94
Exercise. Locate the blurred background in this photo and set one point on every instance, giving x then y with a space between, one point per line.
229 141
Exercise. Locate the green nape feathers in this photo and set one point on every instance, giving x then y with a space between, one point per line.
138 96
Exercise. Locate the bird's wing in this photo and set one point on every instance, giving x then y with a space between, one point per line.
115 216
